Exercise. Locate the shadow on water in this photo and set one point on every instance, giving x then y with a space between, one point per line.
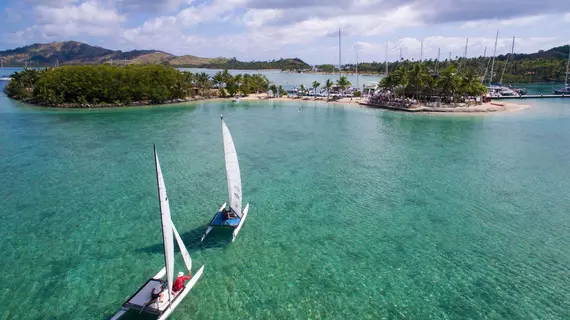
217 238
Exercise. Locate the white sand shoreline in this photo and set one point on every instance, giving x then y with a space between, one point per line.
489 107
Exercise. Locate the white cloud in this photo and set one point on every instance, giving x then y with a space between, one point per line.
90 12
209 11
496 23
567 17
266 29
68 19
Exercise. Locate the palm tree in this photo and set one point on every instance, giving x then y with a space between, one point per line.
418 79
328 85
226 76
261 82
302 90
316 85
247 84
203 82
218 81
400 79
448 82
343 83
238 80
273 89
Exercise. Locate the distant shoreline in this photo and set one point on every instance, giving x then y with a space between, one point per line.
486 108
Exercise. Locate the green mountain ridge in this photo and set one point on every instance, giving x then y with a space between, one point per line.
73 52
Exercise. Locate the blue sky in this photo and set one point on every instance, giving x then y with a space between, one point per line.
271 29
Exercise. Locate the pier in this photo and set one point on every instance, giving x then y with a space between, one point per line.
533 96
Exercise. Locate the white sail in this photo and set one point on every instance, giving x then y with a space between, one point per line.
183 251
232 170
166 227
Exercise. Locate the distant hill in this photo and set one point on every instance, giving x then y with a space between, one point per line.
281 64
554 53
73 52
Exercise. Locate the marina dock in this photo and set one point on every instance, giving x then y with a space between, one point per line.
533 96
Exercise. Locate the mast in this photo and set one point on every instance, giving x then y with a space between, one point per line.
493 63
386 73
339 57
166 223
507 61
357 85
483 62
486 70
233 174
567 68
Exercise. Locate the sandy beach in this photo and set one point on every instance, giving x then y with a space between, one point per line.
357 102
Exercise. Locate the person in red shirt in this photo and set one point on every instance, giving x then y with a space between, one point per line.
179 282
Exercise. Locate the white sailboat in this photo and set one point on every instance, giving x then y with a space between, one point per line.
233 217
141 300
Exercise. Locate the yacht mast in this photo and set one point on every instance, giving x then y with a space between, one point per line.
493 63
483 63
507 61
357 84
567 69
339 57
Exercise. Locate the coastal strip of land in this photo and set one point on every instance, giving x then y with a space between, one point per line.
488 107
107 86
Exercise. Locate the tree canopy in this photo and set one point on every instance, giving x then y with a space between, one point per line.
120 85
417 81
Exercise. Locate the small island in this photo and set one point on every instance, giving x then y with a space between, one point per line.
415 88
90 86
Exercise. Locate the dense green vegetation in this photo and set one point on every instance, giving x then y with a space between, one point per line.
281 64
416 81
543 66
123 85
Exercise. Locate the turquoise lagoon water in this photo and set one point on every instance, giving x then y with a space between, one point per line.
355 213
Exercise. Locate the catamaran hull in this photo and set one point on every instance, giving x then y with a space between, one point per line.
210 227
178 299
238 228
182 294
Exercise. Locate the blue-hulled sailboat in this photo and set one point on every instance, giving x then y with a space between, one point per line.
232 217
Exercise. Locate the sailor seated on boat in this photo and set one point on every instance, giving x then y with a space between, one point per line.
179 282
157 294
228 214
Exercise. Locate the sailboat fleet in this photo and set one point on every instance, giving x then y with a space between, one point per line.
157 296
498 89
